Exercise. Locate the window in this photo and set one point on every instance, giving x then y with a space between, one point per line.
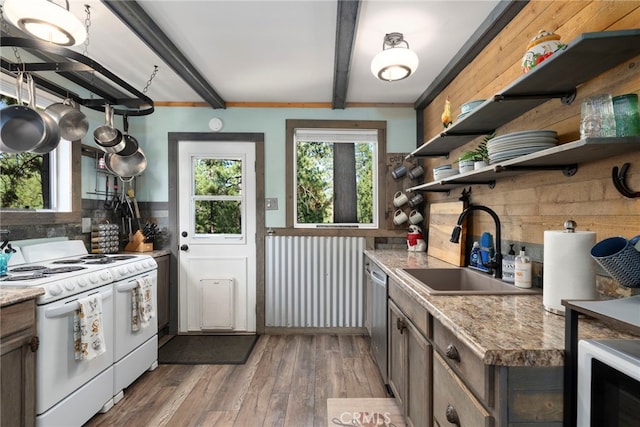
334 174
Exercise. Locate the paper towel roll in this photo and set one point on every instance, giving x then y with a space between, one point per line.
569 270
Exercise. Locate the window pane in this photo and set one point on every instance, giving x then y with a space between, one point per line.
218 217
24 181
217 177
330 187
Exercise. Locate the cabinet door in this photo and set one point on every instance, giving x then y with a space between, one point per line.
419 362
397 353
163 291
18 365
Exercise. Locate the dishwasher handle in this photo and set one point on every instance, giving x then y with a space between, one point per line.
378 277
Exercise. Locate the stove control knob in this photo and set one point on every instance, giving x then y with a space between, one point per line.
69 286
139 266
82 282
131 269
122 271
104 275
94 278
55 289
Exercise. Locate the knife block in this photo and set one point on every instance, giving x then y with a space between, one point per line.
137 244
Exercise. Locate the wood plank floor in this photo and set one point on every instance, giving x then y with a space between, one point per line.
285 382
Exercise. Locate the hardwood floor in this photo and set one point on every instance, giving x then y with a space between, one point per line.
285 382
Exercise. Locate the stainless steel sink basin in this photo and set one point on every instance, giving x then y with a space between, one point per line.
460 281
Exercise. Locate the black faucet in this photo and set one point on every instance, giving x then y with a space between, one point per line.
496 263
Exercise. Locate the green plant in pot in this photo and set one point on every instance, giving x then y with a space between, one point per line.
475 159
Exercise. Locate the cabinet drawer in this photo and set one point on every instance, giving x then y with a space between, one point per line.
453 403
467 364
17 317
411 308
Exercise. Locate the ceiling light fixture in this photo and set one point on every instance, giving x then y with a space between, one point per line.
396 61
46 20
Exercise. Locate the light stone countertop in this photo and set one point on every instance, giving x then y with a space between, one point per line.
503 330
12 295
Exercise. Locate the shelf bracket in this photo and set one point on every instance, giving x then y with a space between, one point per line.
619 181
567 170
490 183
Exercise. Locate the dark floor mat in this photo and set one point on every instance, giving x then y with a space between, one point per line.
207 349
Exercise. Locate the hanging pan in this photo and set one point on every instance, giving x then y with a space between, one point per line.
106 136
126 167
72 122
51 138
131 144
22 128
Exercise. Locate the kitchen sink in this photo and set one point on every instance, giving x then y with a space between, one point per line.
460 281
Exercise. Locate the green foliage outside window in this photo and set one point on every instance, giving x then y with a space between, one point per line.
218 195
21 181
315 183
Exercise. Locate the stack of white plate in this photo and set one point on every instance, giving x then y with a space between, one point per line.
443 171
518 144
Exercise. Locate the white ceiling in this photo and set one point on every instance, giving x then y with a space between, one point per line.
269 51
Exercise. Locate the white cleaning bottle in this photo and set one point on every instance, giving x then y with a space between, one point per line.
475 255
523 270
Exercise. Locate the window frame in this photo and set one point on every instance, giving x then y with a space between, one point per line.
379 126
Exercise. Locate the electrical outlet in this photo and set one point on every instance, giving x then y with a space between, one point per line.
271 204
86 225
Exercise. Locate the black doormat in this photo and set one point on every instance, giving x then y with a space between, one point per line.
207 349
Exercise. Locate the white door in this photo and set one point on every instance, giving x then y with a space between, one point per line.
217 236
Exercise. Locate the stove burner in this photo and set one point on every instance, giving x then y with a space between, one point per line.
27 268
57 270
93 257
101 261
121 257
68 261
22 277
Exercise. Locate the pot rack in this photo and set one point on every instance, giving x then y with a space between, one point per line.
58 69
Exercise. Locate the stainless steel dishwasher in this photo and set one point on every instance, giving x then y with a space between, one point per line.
379 282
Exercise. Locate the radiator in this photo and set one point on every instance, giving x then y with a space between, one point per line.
314 282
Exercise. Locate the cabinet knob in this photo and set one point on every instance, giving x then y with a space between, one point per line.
401 325
452 415
34 343
452 353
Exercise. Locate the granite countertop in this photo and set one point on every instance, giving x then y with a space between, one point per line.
504 330
13 295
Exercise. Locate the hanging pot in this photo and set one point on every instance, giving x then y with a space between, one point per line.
22 128
72 122
106 136
126 166
51 139
131 144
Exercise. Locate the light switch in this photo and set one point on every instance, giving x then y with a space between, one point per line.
271 204
86 225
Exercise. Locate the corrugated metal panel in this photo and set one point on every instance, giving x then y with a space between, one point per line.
314 281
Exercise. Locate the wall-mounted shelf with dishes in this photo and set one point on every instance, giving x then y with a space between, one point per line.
565 157
558 76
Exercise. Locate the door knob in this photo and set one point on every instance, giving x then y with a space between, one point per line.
185 234
184 248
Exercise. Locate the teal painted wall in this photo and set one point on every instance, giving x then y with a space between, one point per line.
151 132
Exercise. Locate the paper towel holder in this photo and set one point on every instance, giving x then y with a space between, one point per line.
620 182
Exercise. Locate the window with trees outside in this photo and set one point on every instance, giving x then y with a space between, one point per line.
335 177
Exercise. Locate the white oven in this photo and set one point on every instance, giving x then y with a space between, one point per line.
69 391
608 383
134 351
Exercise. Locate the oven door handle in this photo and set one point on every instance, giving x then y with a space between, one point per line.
128 286
71 307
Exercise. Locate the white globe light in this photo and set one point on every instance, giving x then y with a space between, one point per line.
396 63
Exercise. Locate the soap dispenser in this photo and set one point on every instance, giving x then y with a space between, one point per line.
523 270
508 265
474 258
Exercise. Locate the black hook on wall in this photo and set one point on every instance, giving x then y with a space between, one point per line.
619 181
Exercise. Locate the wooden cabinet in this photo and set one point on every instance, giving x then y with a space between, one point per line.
410 357
18 346
163 291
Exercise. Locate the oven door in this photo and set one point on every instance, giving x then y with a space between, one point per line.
58 373
608 383
127 340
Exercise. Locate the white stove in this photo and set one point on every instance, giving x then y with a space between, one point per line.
65 268
70 392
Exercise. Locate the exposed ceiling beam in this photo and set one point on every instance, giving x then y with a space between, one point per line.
345 37
138 21
490 27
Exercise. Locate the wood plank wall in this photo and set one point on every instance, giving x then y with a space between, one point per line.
534 202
